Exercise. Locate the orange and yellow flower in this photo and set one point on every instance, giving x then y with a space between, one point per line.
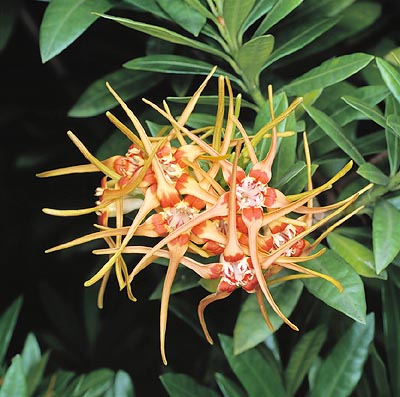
188 191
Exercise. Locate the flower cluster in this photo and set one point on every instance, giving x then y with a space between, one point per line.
186 188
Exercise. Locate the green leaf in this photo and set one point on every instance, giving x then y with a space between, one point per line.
373 174
250 328
253 55
167 35
123 386
393 121
228 387
33 363
302 357
392 109
340 372
335 132
328 73
391 332
234 13
279 11
299 37
257 375
7 324
94 383
391 76
379 373
150 6
96 99
181 385
176 64
184 15
370 112
260 8
385 234
354 253
64 21
14 383
351 301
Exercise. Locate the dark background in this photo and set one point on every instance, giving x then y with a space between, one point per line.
34 102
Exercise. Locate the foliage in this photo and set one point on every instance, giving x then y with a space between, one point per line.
319 51
26 374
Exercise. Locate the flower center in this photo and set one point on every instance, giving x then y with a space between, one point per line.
237 273
250 193
178 215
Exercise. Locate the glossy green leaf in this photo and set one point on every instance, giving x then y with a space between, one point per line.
8 321
335 132
252 56
228 387
328 73
392 108
250 328
340 372
167 35
393 121
176 64
33 362
123 386
385 234
94 383
96 99
14 383
181 385
234 13
184 15
391 332
260 8
257 375
360 257
150 6
351 301
302 357
391 76
379 373
64 21
279 11
296 39
373 174
371 112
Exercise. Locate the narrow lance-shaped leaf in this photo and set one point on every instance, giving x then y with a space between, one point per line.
64 21
335 132
252 56
278 12
7 324
167 35
14 383
96 99
360 257
234 13
250 328
351 301
340 372
302 357
260 8
373 174
123 386
380 373
385 234
181 385
257 375
299 38
391 332
328 73
184 15
228 387
392 112
391 76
